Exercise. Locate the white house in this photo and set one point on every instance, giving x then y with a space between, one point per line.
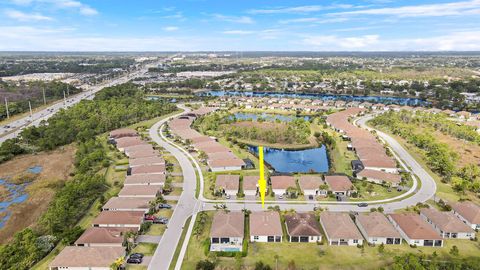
468 212
415 230
265 227
340 229
303 227
447 224
227 231
376 229
86 258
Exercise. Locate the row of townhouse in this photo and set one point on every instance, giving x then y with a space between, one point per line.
429 229
219 157
103 243
310 185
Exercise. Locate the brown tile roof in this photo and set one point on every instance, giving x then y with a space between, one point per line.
128 141
229 224
234 162
123 132
377 225
119 217
140 190
338 225
221 155
380 175
468 210
72 256
302 224
415 227
148 169
140 147
310 182
338 182
446 221
145 179
250 182
227 181
96 235
127 203
143 154
265 223
146 161
283 182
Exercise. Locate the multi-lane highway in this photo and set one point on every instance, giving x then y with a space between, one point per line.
12 129
423 189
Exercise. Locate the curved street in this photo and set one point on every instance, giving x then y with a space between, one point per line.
188 205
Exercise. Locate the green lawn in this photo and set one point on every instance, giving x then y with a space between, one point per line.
316 256
146 248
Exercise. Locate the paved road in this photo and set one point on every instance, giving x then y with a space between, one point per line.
186 205
190 205
18 125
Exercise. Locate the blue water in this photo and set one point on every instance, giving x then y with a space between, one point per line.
292 161
372 99
16 194
267 117
35 169
231 249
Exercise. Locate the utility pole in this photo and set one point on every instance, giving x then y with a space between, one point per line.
30 107
68 90
44 99
64 100
6 106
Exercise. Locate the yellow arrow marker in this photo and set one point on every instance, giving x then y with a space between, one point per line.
262 182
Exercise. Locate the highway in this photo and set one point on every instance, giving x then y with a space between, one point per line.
424 188
15 127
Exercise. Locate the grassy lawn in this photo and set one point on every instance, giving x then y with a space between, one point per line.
136 267
156 229
317 256
146 248
176 166
379 192
180 243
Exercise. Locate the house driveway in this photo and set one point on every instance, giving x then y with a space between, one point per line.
154 239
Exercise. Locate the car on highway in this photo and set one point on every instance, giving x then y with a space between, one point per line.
362 204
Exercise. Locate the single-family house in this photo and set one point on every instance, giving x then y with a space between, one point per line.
229 164
312 185
147 169
102 237
227 184
145 180
91 258
123 132
376 229
447 224
415 230
145 191
250 185
127 204
280 184
340 185
468 212
146 161
339 229
303 227
265 227
227 231
125 219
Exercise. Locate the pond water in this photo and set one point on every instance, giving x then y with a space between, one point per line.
267 117
372 99
15 194
292 161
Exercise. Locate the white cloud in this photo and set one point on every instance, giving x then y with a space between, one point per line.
170 28
237 32
233 19
299 9
314 20
431 10
26 17
81 8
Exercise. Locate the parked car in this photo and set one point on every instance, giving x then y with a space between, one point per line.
310 197
227 197
362 204
164 206
280 196
149 218
136 255
160 220
134 260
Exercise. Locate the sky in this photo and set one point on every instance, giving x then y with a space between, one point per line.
240 25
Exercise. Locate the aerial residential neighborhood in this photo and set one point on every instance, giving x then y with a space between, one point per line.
239 135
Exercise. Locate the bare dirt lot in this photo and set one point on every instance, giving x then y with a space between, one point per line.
56 165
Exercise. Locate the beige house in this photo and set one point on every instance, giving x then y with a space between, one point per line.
339 229
86 258
227 231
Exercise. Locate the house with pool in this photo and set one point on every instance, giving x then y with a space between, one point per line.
227 231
